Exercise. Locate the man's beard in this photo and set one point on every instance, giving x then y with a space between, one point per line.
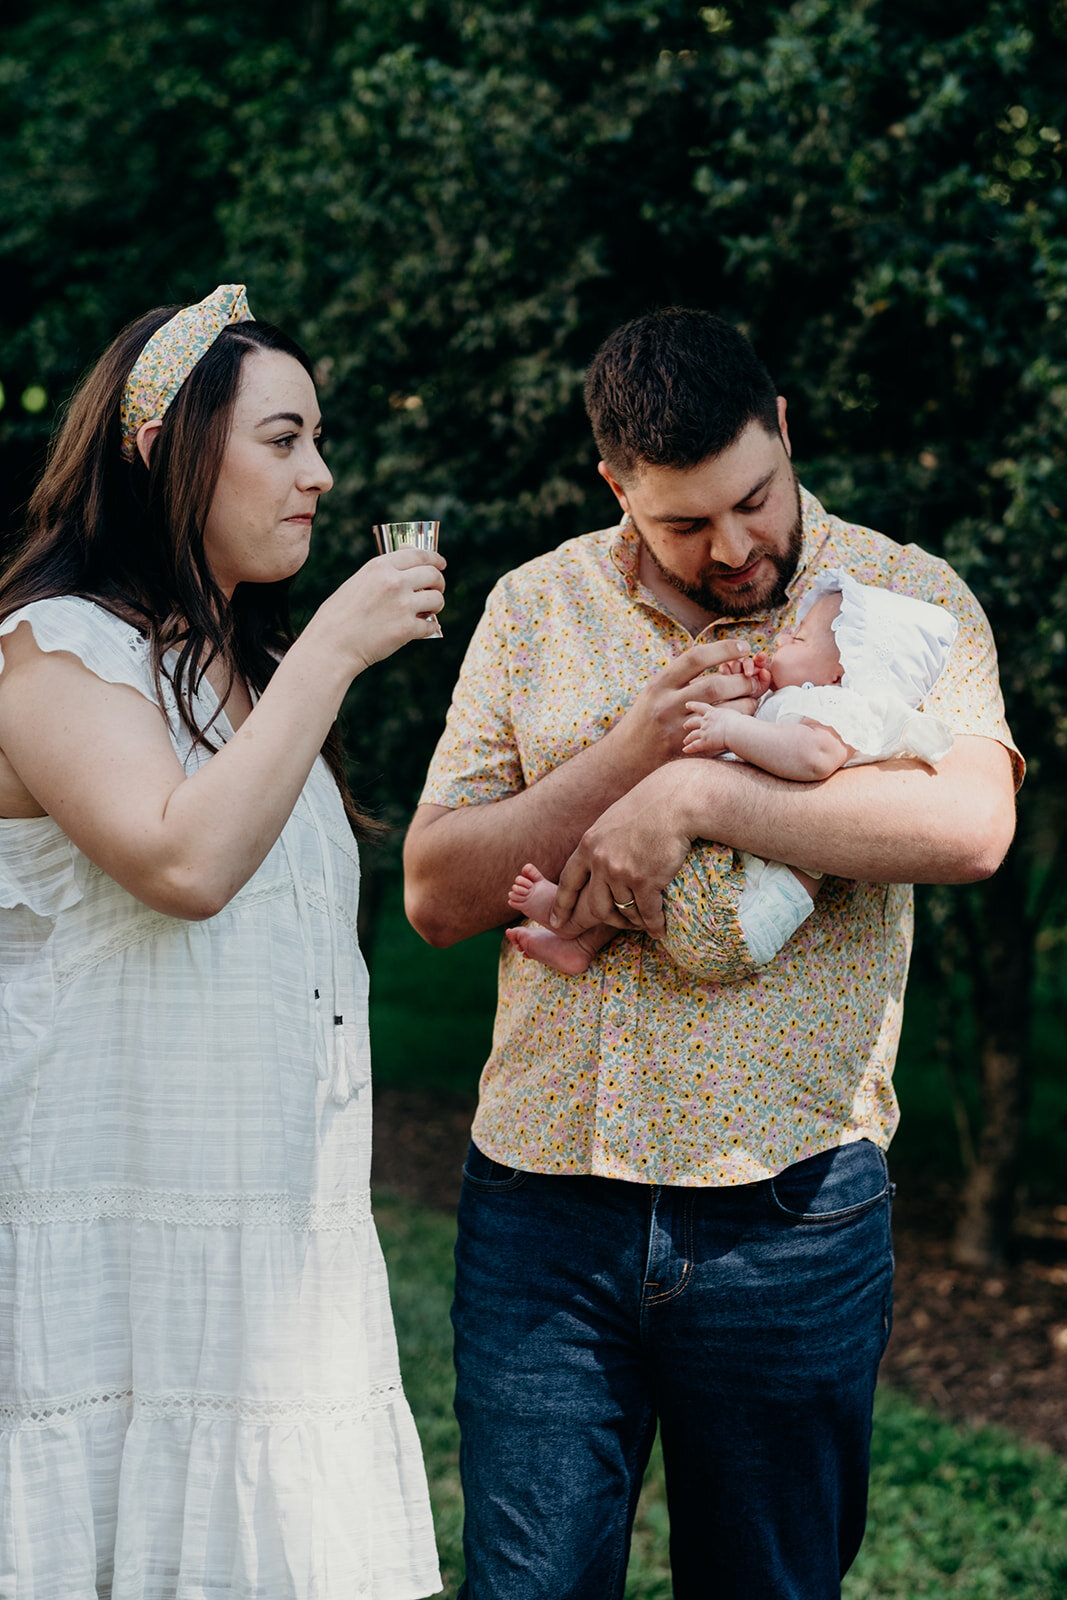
752 597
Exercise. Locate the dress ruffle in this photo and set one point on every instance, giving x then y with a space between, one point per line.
116 652
132 1500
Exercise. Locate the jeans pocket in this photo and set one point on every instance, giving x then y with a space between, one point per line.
833 1185
482 1172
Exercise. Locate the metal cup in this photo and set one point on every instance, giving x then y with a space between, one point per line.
393 535
422 535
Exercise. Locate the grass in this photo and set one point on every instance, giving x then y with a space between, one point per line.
431 1015
966 1514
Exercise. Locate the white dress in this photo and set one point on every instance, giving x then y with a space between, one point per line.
877 726
199 1390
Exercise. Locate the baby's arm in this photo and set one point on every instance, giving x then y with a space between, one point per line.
805 751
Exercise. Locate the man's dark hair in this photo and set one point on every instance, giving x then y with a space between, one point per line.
674 388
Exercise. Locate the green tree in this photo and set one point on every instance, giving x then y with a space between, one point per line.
453 201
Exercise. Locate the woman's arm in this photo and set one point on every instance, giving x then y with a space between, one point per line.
98 758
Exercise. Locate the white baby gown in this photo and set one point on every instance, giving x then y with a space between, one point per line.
199 1390
878 726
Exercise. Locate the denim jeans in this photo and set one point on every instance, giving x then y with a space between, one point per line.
748 1322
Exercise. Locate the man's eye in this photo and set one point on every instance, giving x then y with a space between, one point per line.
757 506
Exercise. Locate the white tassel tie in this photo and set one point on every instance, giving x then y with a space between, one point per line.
349 1060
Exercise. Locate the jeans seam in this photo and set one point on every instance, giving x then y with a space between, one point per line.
687 1271
622 1551
808 1218
495 1185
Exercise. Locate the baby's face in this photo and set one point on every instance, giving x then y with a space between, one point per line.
809 653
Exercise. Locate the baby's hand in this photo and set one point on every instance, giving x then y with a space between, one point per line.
756 667
705 733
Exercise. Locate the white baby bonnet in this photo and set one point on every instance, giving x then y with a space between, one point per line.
887 641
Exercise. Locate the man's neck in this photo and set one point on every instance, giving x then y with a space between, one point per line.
693 616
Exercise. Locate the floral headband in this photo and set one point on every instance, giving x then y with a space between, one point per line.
171 354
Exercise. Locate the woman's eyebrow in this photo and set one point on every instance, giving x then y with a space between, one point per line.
282 416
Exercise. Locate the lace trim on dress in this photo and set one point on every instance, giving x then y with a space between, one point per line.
42 1414
189 1403
186 1209
148 925
316 898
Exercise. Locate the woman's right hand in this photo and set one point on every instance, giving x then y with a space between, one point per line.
392 599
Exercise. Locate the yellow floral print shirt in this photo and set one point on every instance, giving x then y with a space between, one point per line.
638 1069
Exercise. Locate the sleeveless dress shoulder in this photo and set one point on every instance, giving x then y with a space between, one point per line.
199 1390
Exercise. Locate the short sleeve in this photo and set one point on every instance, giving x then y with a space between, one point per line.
477 759
110 648
967 696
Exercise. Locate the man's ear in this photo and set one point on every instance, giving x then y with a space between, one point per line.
146 438
782 429
614 485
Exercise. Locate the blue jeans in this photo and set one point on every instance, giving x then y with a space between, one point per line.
748 1321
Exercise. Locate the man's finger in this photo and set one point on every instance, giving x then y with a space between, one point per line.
722 688
572 880
703 658
647 914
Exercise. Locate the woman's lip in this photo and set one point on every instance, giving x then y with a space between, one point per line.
302 516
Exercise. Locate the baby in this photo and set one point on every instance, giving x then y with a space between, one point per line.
843 688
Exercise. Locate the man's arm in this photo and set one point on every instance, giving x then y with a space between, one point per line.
459 863
891 822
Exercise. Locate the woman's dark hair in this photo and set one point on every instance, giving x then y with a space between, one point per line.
675 388
131 536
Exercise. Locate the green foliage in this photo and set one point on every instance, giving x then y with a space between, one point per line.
452 201
442 1040
973 1514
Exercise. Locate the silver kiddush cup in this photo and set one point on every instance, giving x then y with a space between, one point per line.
394 535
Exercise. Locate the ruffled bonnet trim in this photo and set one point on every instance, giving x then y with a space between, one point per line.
887 641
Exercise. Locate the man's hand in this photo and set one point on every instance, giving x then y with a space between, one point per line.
653 729
624 861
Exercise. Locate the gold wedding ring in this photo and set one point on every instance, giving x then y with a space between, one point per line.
623 905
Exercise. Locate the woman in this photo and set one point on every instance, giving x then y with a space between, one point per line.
199 1393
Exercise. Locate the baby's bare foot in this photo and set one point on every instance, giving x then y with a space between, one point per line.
562 955
533 895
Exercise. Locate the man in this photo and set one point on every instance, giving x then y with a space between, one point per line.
675 1208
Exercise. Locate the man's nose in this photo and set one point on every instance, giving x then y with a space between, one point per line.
730 543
